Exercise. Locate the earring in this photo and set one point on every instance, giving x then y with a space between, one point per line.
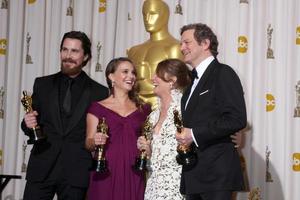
112 88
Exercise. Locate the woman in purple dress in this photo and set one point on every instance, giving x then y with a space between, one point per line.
124 114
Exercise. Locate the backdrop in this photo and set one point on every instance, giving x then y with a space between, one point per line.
260 39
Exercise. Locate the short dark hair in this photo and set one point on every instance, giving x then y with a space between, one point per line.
174 67
85 43
203 32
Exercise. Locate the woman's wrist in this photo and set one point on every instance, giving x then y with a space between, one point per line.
90 144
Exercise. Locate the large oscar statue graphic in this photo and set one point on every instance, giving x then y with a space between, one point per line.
38 135
141 161
186 155
161 45
99 162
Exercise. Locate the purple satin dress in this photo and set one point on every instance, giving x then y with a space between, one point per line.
122 182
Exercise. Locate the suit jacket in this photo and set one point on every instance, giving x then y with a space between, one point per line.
215 111
68 144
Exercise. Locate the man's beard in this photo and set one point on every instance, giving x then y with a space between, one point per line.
70 71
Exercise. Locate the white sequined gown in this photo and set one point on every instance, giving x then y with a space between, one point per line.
164 178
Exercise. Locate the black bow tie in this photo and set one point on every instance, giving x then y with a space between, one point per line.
194 74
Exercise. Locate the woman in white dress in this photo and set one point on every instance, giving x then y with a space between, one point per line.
171 78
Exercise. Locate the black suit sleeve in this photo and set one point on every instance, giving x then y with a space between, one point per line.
27 131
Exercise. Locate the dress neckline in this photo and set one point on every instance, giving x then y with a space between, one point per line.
114 112
176 95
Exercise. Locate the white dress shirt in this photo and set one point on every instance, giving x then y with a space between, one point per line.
200 71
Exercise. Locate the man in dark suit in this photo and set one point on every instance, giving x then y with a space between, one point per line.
213 109
60 163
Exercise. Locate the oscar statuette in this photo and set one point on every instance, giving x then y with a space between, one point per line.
186 156
98 65
38 135
178 8
297 108
99 161
2 102
141 161
24 166
28 56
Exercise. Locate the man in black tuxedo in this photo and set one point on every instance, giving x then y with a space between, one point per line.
60 164
213 109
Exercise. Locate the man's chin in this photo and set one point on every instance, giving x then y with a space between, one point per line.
71 72
186 60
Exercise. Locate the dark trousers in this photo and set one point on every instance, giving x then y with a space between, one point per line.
47 189
55 183
214 195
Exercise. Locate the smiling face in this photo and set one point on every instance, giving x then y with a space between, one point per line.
193 53
72 56
163 85
124 77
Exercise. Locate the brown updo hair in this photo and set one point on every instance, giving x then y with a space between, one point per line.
174 67
111 68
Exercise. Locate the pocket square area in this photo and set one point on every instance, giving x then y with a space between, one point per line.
206 91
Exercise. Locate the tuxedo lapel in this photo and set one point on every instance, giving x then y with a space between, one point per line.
208 75
80 107
185 97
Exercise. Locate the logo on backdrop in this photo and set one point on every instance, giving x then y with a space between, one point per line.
243 44
298 35
28 56
296 161
269 50
70 8
270 102
297 109
4 4
102 6
31 1
3 46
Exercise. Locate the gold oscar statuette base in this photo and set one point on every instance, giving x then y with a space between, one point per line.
186 155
